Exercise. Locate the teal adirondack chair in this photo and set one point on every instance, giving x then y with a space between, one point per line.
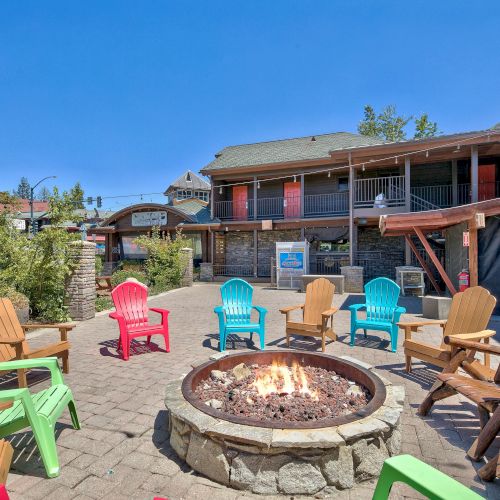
382 310
234 314
421 477
39 411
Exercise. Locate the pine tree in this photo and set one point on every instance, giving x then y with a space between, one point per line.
424 127
23 189
43 194
76 194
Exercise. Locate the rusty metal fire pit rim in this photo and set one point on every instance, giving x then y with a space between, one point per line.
378 394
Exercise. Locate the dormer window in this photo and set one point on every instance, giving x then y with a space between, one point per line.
184 194
188 177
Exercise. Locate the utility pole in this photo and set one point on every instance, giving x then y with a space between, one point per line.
32 194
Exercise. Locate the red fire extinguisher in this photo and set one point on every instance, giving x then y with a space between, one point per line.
463 280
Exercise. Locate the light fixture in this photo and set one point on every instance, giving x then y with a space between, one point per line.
427 154
329 174
458 149
258 184
220 190
396 160
363 168
294 178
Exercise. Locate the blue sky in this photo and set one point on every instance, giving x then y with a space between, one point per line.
124 96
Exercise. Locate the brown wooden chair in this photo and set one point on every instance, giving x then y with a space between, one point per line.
6 451
316 311
470 313
13 344
484 391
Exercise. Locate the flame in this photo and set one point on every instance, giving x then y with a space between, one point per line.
283 379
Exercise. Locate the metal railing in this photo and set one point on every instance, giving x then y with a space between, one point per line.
391 187
320 205
440 196
233 269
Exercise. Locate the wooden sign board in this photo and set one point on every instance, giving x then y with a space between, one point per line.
267 225
479 221
466 240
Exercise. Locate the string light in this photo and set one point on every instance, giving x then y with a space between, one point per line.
396 162
220 190
363 167
427 154
294 178
258 184
329 173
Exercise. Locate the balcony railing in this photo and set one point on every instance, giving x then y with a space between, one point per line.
285 207
389 190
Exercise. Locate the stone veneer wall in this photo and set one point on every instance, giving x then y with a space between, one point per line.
80 286
266 245
239 248
288 461
187 279
206 271
391 253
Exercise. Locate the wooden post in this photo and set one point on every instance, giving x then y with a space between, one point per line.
473 271
474 174
212 201
351 212
212 247
255 198
255 255
454 183
435 260
407 205
301 196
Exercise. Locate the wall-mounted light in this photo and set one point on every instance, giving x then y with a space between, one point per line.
329 174
396 160
220 190
258 184
363 167
427 154
294 178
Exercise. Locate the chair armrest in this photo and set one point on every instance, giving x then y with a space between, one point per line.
219 310
59 326
467 344
262 310
50 363
356 307
158 310
287 309
115 315
329 312
11 341
485 334
415 324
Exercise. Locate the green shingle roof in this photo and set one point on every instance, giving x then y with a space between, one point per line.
194 208
300 148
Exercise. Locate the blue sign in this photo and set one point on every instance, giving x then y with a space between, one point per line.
292 260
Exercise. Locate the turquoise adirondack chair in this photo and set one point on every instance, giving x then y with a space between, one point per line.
39 411
234 313
382 310
423 478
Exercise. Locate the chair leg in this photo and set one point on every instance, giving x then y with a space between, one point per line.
74 415
388 476
148 340
408 364
438 391
323 342
486 437
287 340
222 341
394 339
46 441
167 341
21 378
364 332
491 470
65 361
262 339
126 348
353 336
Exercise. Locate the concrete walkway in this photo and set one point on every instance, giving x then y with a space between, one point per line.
122 451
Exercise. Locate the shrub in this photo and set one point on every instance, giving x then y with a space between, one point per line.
99 264
19 300
103 303
165 263
122 275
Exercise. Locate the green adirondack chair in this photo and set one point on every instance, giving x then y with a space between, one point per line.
39 411
421 477
382 311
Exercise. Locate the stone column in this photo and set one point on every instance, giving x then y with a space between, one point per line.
206 271
353 278
187 279
80 285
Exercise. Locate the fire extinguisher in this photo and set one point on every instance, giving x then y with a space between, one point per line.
463 280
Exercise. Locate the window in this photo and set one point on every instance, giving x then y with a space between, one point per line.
343 183
201 195
184 194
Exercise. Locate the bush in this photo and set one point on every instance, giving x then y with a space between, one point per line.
122 275
165 263
99 264
103 303
19 300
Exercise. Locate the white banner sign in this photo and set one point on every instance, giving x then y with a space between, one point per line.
141 219
19 224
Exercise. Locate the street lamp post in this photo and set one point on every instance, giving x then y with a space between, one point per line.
32 193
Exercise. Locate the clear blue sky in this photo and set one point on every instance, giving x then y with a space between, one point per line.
126 95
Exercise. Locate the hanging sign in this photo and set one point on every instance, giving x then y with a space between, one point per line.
142 219
466 238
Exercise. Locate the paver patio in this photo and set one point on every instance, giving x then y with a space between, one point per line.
122 451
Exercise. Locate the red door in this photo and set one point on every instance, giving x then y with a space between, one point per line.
291 202
240 203
487 178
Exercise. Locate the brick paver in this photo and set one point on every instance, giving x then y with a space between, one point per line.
122 451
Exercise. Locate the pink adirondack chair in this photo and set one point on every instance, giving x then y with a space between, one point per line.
130 299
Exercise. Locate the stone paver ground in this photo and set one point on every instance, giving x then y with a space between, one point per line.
122 451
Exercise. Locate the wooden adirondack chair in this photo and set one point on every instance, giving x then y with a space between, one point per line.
131 303
13 344
484 391
235 312
39 411
382 310
6 452
316 311
470 313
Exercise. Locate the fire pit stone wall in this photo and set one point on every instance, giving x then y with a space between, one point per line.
288 461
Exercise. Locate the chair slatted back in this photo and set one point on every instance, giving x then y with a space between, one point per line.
10 329
319 297
470 312
237 301
131 301
382 296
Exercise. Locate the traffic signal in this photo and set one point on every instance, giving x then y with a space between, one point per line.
90 200
99 202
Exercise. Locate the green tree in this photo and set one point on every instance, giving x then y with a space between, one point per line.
23 189
370 125
43 194
424 127
8 199
392 125
76 193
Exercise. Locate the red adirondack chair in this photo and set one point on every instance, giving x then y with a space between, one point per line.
130 299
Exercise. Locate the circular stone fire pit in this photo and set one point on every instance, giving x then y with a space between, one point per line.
291 457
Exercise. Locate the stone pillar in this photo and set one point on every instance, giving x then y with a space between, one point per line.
206 271
80 286
187 278
353 278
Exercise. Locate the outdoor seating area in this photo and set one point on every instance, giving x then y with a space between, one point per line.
121 439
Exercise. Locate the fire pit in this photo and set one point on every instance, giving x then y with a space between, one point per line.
285 422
